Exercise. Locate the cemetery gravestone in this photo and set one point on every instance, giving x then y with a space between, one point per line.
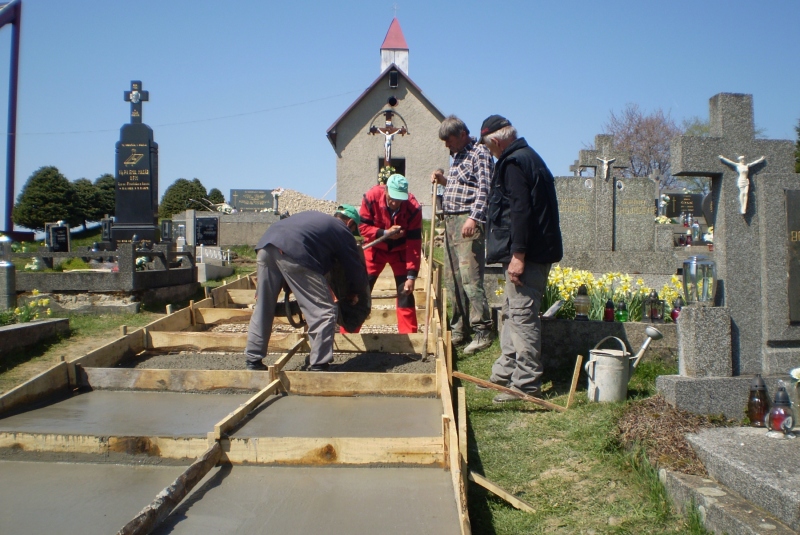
59 239
684 203
754 250
136 175
252 199
793 246
634 214
206 231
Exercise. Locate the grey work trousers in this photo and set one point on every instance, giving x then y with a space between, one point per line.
313 294
520 362
463 276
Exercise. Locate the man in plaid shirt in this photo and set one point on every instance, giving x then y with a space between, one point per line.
464 206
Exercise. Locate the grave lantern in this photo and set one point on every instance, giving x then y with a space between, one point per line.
5 251
699 280
653 308
582 303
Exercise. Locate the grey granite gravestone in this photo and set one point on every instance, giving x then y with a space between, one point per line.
753 252
603 186
634 213
136 175
576 210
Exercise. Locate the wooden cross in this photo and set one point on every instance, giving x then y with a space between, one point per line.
136 96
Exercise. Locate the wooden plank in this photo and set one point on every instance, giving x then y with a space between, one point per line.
242 297
462 422
177 321
50 382
207 316
171 380
500 492
166 500
165 447
112 353
346 343
575 375
281 362
523 397
204 303
360 384
335 450
225 425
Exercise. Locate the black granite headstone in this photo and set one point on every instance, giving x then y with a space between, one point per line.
106 225
136 175
252 199
206 231
793 225
59 239
166 230
47 227
682 203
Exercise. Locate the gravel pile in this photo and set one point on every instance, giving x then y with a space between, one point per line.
293 202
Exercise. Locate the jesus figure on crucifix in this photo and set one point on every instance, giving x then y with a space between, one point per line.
389 131
744 178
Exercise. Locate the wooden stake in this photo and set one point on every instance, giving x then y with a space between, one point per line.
498 491
524 397
575 375
428 277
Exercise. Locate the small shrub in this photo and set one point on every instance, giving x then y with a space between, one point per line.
32 309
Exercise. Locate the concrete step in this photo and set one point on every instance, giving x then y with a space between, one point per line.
721 510
763 470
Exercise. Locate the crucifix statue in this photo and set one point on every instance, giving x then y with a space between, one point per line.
136 96
606 166
744 178
389 131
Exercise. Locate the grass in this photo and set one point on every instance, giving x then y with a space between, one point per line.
568 465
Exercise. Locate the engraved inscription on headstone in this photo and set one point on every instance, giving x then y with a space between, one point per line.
682 203
634 207
793 227
59 239
252 199
708 209
206 231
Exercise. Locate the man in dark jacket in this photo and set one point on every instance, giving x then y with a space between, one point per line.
524 235
299 251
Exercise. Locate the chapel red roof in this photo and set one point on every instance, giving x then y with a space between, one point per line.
394 37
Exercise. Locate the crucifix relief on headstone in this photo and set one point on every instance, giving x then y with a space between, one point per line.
609 160
389 130
136 175
753 250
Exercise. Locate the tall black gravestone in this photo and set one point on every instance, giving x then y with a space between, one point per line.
136 175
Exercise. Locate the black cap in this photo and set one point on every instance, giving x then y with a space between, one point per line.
492 124
758 383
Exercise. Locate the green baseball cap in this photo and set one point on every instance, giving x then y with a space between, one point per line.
398 187
350 211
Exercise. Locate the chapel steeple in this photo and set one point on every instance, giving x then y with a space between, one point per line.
394 48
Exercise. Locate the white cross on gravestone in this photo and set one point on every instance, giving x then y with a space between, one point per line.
604 189
754 250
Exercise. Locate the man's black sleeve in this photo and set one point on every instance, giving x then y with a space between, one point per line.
518 187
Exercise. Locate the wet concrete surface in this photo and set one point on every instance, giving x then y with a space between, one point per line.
104 413
282 500
309 416
49 498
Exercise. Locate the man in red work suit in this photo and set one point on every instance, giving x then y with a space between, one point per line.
384 209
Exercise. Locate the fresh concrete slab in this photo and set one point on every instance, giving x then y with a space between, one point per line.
246 500
310 416
764 470
111 413
76 498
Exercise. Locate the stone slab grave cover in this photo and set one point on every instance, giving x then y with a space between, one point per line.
252 199
136 175
754 251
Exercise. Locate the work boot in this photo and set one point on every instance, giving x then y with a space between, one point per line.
256 366
481 340
320 367
456 338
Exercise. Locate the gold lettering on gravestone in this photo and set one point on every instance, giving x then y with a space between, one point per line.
571 205
793 245
635 207
134 158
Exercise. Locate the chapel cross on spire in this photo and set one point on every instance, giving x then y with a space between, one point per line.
136 96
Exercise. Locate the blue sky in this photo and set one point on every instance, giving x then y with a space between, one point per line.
242 92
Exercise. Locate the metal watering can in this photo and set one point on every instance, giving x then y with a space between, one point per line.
609 370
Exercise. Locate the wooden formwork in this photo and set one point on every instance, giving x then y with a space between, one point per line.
184 329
